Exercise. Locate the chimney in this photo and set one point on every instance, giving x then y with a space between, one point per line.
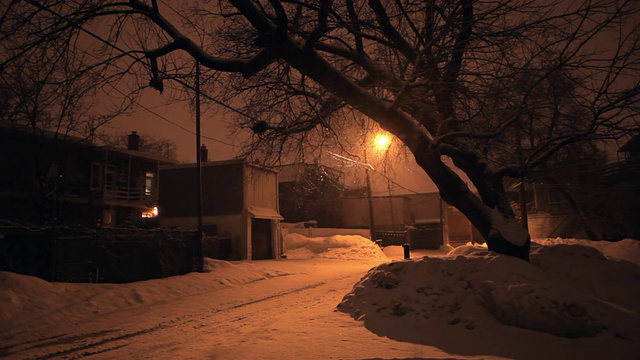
134 141
204 153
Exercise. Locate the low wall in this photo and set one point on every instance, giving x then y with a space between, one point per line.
113 255
323 232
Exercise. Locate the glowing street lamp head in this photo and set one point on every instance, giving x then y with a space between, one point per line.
382 141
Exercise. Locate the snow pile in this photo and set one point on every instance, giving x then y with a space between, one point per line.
569 302
397 251
238 273
469 249
25 298
566 290
627 249
346 247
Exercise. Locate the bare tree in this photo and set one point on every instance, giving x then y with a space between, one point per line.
51 92
425 71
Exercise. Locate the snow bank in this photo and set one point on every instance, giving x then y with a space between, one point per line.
627 249
26 298
472 294
347 247
469 249
569 302
396 252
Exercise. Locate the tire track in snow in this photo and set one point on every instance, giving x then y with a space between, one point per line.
92 343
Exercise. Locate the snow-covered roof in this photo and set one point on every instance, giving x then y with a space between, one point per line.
264 213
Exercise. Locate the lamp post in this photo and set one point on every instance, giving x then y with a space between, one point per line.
381 142
372 227
199 241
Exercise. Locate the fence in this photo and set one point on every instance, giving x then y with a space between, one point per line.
392 237
424 237
104 255
387 237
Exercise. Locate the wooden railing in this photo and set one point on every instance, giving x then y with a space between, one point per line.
122 193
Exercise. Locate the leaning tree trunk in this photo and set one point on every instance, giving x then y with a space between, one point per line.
496 222
491 216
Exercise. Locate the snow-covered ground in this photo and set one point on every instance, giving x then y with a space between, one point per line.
341 297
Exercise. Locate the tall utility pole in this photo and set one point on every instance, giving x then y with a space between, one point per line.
199 253
372 227
522 195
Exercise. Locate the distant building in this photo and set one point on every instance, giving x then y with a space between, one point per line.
310 192
594 199
391 213
425 217
125 182
631 149
53 178
239 201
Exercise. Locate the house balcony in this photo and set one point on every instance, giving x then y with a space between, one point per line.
125 196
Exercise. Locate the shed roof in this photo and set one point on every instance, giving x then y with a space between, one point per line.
264 213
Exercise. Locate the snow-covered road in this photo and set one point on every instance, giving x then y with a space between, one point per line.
574 300
287 314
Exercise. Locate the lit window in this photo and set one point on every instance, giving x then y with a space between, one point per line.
150 213
148 183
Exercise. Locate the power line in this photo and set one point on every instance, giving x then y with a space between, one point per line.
126 53
368 166
148 109
162 117
395 183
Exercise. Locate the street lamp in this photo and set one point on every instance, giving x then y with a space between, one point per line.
381 142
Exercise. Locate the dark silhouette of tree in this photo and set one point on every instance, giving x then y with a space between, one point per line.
425 71
49 91
311 193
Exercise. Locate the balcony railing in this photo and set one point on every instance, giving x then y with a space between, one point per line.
121 193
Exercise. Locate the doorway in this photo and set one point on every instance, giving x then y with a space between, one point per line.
261 242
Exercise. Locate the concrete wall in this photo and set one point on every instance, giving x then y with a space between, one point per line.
261 188
227 225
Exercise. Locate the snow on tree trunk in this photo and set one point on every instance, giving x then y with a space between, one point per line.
507 236
498 225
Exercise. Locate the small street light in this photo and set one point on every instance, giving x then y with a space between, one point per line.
382 141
